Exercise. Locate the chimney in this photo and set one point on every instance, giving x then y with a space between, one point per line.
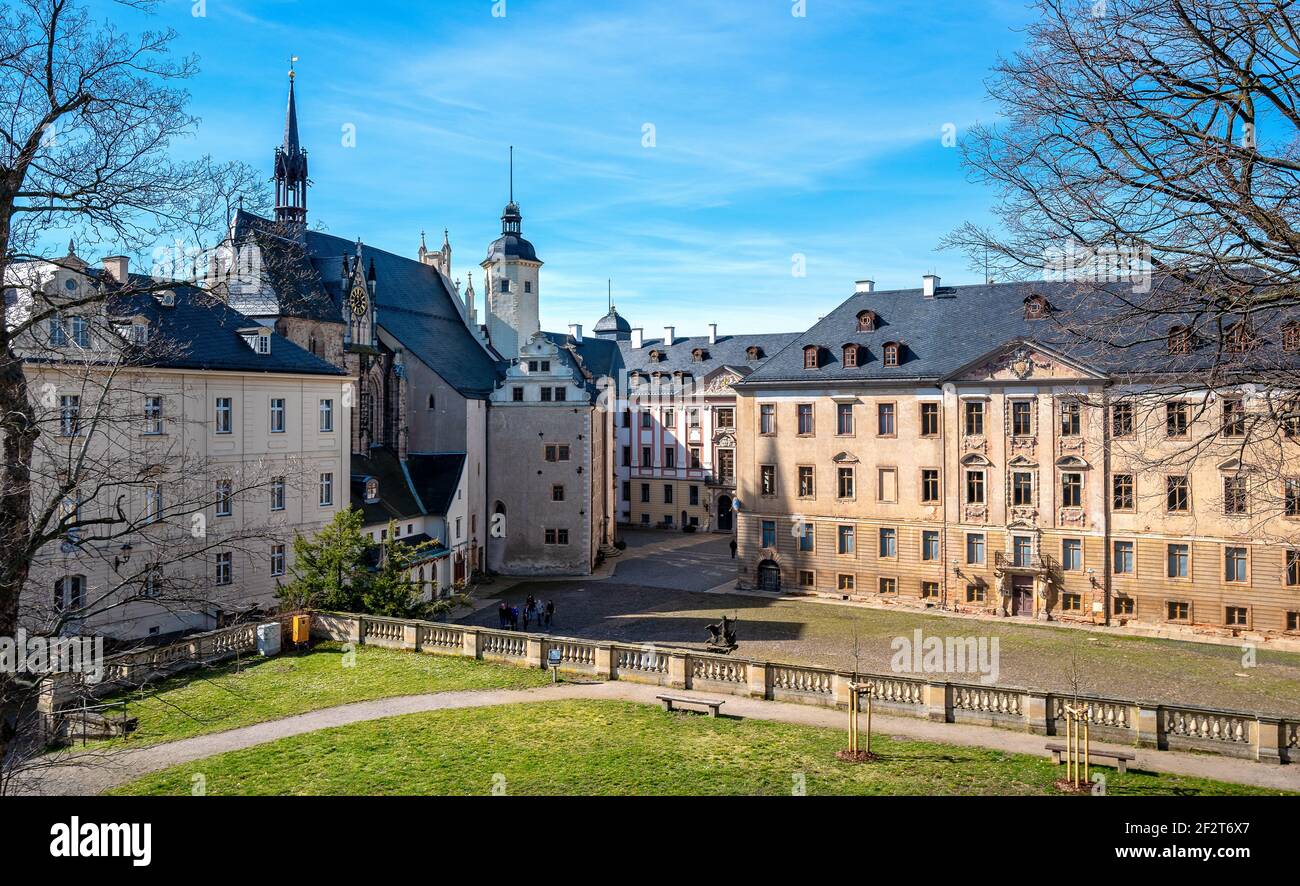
668 336
865 286
636 339
713 333
115 266
929 283
575 332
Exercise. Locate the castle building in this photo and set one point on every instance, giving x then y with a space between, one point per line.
1008 470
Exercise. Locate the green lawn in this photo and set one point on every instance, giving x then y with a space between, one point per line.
616 748
257 690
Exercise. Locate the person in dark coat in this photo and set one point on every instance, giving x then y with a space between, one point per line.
733 549
550 612
514 618
502 619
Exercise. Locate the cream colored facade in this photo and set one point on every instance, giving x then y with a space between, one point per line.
995 492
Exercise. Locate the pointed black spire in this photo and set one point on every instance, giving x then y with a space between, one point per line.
370 274
291 165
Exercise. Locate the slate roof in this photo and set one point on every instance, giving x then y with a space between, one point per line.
422 486
729 350
961 324
414 303
202 332
613 325
600 357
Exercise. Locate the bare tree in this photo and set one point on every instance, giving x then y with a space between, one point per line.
1149 152
88 113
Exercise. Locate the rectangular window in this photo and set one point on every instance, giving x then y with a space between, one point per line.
974 410
80 332
556 452
1070 418
546 394
975 593
1178 557
888 585
1121 420
1122 561
847 545
806 538
805 413
670 418
694 496
225 500
69 415
152 503
1236 616
726 417
1178 610
693 418
1022 550
1072 554
277 559
277 416
1022 418
887 485
225 568
1123 492
844 582
225 415
767 479
557 492
807 482
768 536
844 419
516 394
975 487
929 485
561 394
1234 564
647 421
668 494
1292 568
975 548
1072 490
846 483
555 536
645 493
888 543
326 416
627 456
326 490
807 579
695 457
277 494
1291 497
929 419
1071 603
58 332
670 456
153 414
1177 419
1125 606
1234 418
1293 621
1234 495
929 590
1022 488
647 456
767 418
929 545
1177 494
885 426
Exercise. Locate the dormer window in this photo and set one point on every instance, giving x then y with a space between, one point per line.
867 321
1180 340
891 354
656 356
753 352
372 491
1291 337
850 355
699 355
167 298
258 339
1239 339
812 357
1036 307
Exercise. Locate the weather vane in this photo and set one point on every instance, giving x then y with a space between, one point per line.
293 59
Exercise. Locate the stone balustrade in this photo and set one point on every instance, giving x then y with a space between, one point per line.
1145 724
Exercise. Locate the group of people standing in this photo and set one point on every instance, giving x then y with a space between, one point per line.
533 612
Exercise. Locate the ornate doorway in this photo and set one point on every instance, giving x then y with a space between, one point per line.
769 576
1022 595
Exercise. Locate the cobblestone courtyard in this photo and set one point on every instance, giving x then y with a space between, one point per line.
658 594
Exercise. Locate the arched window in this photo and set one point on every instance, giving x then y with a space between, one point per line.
656 356
699 355
850 355
1180 340
892 353
753 352
372 490
811 357
311 344
866 321
432 402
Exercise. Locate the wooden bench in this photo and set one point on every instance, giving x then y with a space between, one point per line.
669 700
1121 758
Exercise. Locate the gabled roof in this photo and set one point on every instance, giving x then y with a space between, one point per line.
423 485
435 478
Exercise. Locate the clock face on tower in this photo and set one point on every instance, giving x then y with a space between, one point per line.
357 302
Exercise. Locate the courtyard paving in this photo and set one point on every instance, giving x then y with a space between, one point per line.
666 588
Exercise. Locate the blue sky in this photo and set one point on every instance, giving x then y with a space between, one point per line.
774 136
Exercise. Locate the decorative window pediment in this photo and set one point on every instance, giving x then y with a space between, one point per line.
845 458
1072 461
1021 461
975 460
